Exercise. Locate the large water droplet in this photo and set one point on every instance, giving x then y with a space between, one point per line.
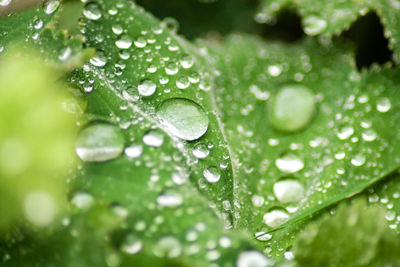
212 174
314 25
147 88
92 11
183 118
345 132
288 190
252 259
99 142
292 108
275 218
289 163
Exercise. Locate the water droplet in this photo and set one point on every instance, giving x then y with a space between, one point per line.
383 104
5 2
140 42
132 245
274 70
183 118
171 68
263 236
252 259
153 138
369 135
182 82
292 108
314 25
135 150
169 199
289 163
288 190
168 246
65 53
358 160
92 11
187 62
124 42
345 132
147 88
200 151
171 24
212 174
117 29
275 218
99 142
82 200
39 208
51 6
99 60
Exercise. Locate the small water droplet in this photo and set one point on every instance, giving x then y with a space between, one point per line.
288 190
292 108
65 53
183 118
314 25
358 160
212 174
182 82
383 104
99 142
289 163
275 218
82 200
168 246
135 150
171 24
132 244
92 11
51 6
124 42
169 199
200 151
140 42
153 138
345 132
369 135
252 259
274 70
171 68
147 88
99 60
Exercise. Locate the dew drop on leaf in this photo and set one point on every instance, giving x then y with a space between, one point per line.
358 160
124 42
212 174
369 135
289 163
99 142
82 200
183 118
288 190
147 88
51 6
153 138
314 25
168 246
383 104
92 11
200 151
135 150
132 244
291 108
169 199
345 132
252 259
275 218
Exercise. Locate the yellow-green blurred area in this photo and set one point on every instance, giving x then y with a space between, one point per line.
36 140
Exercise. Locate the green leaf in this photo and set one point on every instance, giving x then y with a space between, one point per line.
349 237
333 17
287 170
